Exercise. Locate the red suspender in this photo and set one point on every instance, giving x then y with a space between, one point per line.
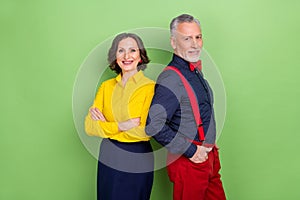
193 101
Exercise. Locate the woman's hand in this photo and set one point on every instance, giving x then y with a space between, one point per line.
129 124
97 115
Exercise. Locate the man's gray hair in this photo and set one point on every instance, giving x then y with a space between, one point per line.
181 19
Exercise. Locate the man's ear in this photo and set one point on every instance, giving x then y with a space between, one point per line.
173 42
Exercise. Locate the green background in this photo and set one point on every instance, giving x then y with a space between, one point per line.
254 43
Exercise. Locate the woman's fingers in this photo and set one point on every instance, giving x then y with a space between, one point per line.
96 114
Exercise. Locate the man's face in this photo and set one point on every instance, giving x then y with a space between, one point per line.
187 41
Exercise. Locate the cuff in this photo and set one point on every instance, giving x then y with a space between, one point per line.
208 145
109 128
190 151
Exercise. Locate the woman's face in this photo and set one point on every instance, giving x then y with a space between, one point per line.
128 55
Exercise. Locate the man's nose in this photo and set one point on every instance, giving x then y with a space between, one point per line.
195 43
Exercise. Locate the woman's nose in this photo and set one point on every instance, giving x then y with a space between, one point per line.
126 55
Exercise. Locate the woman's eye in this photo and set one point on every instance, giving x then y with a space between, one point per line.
120 51
133 50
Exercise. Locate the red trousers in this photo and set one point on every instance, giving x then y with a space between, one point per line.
193 181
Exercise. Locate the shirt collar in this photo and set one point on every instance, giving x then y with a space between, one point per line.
135 78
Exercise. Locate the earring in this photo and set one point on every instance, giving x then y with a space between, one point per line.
141 61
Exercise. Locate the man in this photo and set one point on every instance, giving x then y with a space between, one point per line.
193 160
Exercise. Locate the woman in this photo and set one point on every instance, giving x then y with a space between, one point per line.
118 114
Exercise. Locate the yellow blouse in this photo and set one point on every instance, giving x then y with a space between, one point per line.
119 103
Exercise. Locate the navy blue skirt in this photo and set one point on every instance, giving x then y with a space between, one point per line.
125 170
